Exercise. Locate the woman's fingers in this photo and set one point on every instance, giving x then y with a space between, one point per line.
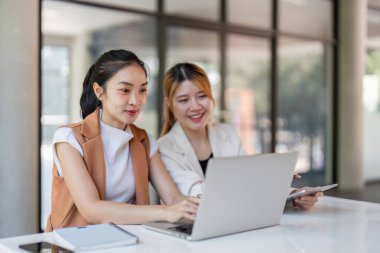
189 216
192 202
185 209
189 209
306 202
302 205
195 200
319 194
189 206
309 199
296 176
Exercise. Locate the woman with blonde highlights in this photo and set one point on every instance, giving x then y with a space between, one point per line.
173 78
188 138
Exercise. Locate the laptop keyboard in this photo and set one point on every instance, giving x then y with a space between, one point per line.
187 229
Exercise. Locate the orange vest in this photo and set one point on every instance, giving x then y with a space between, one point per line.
64 213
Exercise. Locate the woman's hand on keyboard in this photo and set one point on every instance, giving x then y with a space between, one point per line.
186 209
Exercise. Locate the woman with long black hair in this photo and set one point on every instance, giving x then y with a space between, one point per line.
102 165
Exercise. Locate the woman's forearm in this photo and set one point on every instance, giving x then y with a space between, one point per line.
122 213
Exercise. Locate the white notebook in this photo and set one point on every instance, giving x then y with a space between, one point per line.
94 237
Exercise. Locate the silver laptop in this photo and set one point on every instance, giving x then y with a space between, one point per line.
241 193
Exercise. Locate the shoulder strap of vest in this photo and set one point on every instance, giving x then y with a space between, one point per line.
142 135
93 156
76 128
138 146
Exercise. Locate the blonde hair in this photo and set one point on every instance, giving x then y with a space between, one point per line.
174 77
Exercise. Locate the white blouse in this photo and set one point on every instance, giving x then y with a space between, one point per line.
120 184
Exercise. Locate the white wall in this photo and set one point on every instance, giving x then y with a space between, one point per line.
371 146
19 123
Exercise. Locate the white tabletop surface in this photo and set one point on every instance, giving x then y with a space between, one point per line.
334 225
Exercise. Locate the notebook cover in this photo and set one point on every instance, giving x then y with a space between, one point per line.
94 236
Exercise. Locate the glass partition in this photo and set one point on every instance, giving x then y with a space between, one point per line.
55 64
304 85
193 9
306 17
371 96
64 68
199 47
252 13
247 91
148 5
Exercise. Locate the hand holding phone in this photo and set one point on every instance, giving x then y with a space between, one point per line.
310 191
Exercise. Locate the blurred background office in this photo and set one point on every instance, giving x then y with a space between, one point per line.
288 74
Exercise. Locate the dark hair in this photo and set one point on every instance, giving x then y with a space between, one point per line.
103 69
173 78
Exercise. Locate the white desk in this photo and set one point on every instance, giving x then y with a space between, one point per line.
334 225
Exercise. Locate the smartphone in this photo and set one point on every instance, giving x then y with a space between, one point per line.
44 247
310 191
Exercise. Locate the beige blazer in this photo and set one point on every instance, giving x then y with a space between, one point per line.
181 161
